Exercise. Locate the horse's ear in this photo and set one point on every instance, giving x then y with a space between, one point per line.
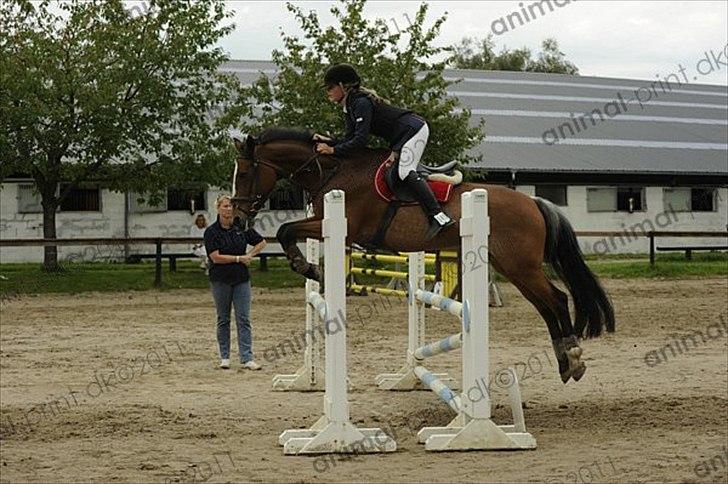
238 145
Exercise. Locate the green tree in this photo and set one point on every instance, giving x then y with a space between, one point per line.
471 53
551 59
89 91
397 65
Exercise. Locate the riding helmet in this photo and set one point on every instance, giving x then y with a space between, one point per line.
341 73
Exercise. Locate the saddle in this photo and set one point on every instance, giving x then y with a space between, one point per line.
440 178
394 191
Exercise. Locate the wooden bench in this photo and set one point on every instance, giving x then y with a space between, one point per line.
689 249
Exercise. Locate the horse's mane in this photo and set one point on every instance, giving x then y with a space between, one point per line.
276 133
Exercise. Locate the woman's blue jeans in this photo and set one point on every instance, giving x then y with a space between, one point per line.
238 296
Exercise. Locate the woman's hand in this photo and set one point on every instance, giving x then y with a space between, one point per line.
320 137
324 149
246 259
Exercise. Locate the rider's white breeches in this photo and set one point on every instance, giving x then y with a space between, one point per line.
412 150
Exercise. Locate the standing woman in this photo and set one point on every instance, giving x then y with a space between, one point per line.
230 280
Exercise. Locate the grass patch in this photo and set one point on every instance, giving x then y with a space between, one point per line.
671 266
112 277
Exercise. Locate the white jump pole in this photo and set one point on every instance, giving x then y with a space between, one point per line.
333 432
310 376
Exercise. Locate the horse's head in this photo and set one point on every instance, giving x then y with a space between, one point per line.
262 161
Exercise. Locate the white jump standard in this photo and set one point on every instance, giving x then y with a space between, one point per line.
472 428
334 432
310 376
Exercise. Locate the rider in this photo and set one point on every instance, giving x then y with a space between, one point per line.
365 112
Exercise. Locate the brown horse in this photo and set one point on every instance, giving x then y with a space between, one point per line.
525 231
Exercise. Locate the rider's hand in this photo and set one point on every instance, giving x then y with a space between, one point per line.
320 137
324 149
246 259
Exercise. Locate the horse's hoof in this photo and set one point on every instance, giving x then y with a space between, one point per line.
576 366
565 370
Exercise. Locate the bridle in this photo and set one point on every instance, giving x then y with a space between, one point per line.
257 200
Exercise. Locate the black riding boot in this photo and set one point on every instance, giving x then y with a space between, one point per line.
438 219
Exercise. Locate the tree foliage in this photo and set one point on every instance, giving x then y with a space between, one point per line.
90 92
397 65
472 53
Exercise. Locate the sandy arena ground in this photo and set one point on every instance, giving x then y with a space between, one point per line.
124 388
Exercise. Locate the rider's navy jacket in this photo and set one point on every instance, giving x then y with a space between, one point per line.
364 116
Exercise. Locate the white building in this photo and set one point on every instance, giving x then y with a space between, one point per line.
615 154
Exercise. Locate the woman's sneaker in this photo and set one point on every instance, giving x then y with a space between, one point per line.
225 364
251 365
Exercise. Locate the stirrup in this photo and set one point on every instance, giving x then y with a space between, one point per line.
435 227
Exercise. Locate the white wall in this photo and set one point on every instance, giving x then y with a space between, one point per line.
655 214
13 225
109 222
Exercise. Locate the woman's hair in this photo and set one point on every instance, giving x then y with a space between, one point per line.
371 93
201 216
221 198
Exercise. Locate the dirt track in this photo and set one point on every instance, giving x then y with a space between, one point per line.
168 414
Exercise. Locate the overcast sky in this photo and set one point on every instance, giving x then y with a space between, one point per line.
629 39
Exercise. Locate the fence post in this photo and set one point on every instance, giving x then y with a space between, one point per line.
652 247
158 263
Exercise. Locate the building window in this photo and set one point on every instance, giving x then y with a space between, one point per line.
286 197
630 199
81 199
601 199
615 199
553 193
689 199
676 199
28 199
702 199
181 199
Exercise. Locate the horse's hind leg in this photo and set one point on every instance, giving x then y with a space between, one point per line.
568 345
552 304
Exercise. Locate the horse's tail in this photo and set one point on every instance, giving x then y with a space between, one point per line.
594 310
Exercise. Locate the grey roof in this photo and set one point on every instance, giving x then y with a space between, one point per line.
641 126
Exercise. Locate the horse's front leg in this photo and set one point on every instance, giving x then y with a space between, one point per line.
289 234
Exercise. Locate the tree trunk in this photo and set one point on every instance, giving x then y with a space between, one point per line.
49 203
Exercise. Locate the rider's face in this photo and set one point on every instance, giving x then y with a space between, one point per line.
335 93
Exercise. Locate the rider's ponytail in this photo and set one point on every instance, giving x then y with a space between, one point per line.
371 93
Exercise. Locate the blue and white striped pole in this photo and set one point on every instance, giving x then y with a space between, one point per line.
437 347
437 386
